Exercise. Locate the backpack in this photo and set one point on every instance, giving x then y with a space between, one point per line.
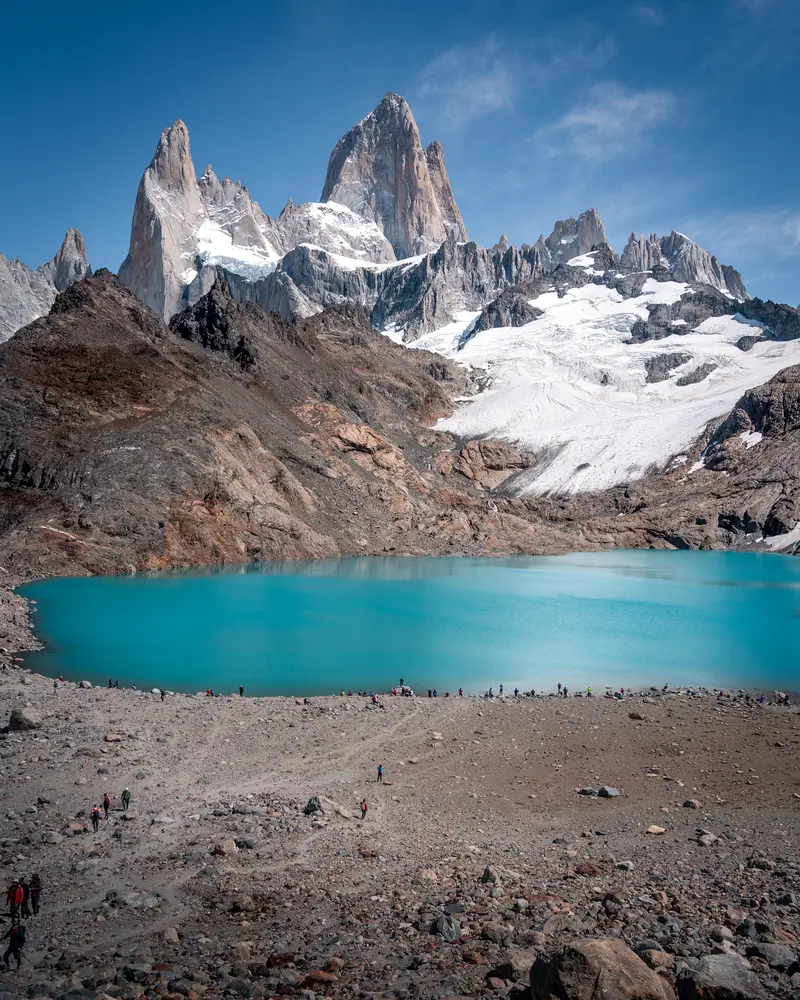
20 936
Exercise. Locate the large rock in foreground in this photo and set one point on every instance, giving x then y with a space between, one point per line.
604 969
22 718
719 977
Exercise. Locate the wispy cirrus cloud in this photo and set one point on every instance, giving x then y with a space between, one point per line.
774 230
649 14
613 120
470 81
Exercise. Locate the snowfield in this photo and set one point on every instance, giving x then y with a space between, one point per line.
570 387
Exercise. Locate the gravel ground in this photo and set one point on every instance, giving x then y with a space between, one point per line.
217 881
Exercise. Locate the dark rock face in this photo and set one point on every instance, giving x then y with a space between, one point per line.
719 977
697 375
213 322
510 308
660 367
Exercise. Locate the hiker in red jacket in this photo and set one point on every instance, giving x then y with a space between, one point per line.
15 896
364 808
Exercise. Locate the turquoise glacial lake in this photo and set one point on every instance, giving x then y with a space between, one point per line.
620 618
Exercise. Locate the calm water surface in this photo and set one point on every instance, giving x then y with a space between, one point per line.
617 618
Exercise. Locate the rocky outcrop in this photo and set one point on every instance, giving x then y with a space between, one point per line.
660 367
166 217
571 238
719 977
684 261
510 308
587 970
380 170
27 294
697 374
335 228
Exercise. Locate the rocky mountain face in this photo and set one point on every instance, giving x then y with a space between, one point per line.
387 235
683 259
25 294
380 170
571 238
235 436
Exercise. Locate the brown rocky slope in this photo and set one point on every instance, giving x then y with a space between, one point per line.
235 436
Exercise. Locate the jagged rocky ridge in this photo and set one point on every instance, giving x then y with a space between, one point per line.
387 235
25 294
237 436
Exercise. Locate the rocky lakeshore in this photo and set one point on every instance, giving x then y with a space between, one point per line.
243 867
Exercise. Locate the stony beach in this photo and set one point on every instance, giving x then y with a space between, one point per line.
243 867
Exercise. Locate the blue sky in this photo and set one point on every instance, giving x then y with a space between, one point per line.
661 114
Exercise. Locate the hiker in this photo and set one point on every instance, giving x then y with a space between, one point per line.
435 693
364 808
501 689
402 682
25 909
516 692
241 691
380 773
16 942
126 799
588 692
163 694
106 804
14 896
110 685
116 685
55 685
95 818
36 891
461 692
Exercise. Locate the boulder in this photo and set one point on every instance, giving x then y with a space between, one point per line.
777 956
22 718
242 903
114 737
85 685
719 977
447 927
313 806
692 804
608 792
225 847
51 837
588 970
656 831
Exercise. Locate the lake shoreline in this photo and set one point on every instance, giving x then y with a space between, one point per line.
649 580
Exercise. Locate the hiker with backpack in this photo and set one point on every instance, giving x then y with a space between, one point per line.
25 909
364 808
95 814
126 799
16 942
380 773
106 804
36 891
15 896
